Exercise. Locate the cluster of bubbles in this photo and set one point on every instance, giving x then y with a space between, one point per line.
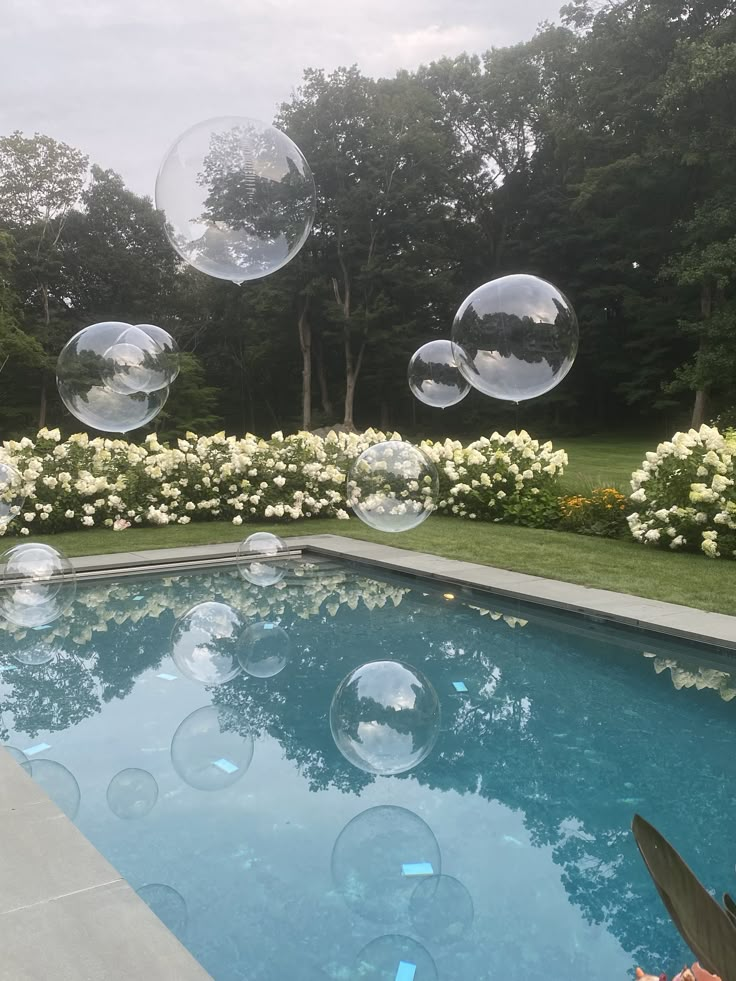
115 377
37 586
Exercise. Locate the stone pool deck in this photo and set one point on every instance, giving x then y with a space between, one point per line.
67 914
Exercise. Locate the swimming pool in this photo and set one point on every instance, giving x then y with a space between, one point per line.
297 864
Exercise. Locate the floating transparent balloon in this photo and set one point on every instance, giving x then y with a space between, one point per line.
98 370
58 783
238 197
393 486
168 905
12 494
266 650
132 793
441 909
17 754
515 338
257 571
378 858
37 584
434 377
169 361
37 650
395 957
208 752
205 643
385 717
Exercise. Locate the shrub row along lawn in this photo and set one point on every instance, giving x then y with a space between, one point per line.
617 565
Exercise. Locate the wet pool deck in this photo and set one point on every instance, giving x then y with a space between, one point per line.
67 914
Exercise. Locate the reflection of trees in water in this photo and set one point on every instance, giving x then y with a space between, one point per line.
575 735
437 372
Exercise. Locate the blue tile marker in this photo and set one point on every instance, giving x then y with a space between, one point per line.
406 971
417 868
268 626
459 686
40 748
225 765
137 599
167 677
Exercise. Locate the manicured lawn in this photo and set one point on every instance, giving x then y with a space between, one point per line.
603 461
692 580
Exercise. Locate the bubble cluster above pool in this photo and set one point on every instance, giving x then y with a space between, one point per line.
459 811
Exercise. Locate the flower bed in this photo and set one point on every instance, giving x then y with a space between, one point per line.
685 494
84 483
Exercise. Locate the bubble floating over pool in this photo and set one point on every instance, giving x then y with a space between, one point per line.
255 570
42 650
378 859
238 197
434 377
266 650
515 338
37 584
395 958
96 373
12 494
441 909
205 643
58 783
132 793
18 755
208 751
393 486
168 905
385 717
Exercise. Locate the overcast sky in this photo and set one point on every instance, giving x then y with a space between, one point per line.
121 79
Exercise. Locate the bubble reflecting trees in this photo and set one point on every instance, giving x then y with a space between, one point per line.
110 383
515 338
238 197
205 643
58 783
385 717
12 493
266 649
393 486
395 957
132 793
434 377
376 859
37 584
208 752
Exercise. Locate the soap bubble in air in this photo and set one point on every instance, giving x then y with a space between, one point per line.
108 381
238 198
265 650
132 793
393 486
205 643
168 905
515 338
208 751
434 377
58 783
251 555
385 717
37 584
382 960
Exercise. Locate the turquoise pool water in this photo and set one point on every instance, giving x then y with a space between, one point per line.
297 864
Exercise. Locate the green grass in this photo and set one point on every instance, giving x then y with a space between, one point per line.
603 461
621 566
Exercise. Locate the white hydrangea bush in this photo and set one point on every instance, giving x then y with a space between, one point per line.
91 483
684 493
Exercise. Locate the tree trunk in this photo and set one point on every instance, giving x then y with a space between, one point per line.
701 401
385 416
46 320
352 371
707 302
43 404
324 392
305 341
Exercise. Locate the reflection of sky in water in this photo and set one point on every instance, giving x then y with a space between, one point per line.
529 790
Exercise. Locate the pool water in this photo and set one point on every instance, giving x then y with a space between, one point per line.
505 853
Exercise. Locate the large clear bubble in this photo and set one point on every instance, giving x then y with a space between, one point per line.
257 571
12 494
378 859
170 362
238 197
37 584
98 369
515 338
17 754
434 377
168 905
395 958
132 793
58 783
441 909
205 643
265 651
385 717
392 486
208 752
